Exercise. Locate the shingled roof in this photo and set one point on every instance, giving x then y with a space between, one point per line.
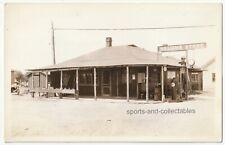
115 56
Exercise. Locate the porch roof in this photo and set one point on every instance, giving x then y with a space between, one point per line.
115 56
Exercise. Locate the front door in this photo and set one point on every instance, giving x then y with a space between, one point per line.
106 89
141 89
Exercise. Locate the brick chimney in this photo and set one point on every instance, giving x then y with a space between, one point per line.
108 41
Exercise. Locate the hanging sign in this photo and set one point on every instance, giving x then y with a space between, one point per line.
133 76
181 47
165 68
171 74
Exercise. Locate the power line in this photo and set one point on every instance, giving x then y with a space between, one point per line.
126 29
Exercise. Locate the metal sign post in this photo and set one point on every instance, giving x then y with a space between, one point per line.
187 75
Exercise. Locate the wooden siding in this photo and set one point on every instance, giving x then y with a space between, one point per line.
39 80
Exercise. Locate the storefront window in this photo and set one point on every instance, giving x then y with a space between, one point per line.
124 78
89 78
86 78
82 78
194 77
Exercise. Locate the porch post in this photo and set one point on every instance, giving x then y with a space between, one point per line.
61 78
32 84
117 84
162 84
180 84
32 81
127 83
77 87
61 75
46 80
46 83
39 83
146 83
95 91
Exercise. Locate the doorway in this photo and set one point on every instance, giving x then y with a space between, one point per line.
106 81
141 86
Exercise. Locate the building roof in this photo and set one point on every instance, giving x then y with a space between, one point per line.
115 56
208 63
37 73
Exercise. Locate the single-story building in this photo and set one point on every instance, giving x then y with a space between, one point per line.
209 73
126 71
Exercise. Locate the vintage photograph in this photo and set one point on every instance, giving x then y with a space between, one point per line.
112 72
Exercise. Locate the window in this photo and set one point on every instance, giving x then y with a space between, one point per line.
106 77
124 78
86 78
194 77
213 77
89 78
82 78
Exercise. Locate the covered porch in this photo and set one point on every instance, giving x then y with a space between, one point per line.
144 82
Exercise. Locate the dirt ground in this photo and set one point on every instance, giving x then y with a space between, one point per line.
54 119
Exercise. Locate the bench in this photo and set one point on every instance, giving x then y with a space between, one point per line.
54 91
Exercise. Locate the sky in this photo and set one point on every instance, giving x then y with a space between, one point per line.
28 35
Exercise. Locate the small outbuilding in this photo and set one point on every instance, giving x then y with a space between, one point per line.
209 73
36 80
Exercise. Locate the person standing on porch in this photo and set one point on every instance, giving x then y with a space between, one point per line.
143 89
173 89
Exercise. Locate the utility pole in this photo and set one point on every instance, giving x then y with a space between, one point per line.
53 43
